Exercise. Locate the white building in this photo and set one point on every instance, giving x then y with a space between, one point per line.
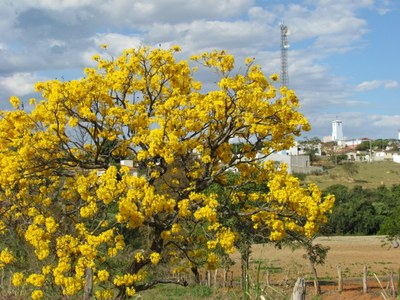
351 143
337 130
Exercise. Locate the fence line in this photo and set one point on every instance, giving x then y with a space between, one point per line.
224 278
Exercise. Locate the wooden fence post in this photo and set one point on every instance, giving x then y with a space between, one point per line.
392 288
299 290
208 278
340 279
215 277
267 278
225 277
231 279
365 284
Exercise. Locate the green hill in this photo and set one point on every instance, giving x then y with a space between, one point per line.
365 174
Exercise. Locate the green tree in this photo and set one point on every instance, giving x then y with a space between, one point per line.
380 144
363 211
391 223
311 146
364 146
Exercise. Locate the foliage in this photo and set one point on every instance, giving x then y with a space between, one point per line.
378 144
311 147
364 146
64 194
331 149
364 211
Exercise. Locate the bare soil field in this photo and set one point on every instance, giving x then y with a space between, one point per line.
351 253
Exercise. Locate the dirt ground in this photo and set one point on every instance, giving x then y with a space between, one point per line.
350 253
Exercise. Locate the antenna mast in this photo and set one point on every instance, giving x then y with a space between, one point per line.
284 64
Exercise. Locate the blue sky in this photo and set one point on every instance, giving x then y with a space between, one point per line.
343 56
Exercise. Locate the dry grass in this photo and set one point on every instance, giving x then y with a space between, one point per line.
350 252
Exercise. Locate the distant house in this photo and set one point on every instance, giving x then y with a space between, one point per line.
295 163
351 143
356 156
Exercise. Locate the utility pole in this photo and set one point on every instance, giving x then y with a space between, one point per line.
370 151
284 63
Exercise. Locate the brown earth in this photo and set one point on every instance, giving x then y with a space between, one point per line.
350 253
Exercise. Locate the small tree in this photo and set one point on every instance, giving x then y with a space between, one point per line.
311 147
315 253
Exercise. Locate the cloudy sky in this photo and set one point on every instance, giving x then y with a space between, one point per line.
343 57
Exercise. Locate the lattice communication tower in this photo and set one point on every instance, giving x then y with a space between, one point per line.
284 63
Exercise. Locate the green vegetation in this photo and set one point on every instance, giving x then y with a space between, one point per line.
364 211
367 198
175 292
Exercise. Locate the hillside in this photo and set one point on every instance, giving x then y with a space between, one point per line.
368 175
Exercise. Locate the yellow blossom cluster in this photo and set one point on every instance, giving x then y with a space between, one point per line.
6 258
17 278
37 294
290 207
127 279
38 234
63 191
155 258
35 279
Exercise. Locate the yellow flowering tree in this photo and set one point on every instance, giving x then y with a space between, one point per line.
65 196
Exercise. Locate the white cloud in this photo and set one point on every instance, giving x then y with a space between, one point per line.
369 85
260 15
386 121
117 43
391 84
201 35
375 84
19 84
329 23
60 4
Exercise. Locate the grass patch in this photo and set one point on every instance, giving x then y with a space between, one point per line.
191 292
372 174
266 265
175 292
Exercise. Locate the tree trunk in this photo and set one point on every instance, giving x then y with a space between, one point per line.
245 256
317 286
196 273
121 294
